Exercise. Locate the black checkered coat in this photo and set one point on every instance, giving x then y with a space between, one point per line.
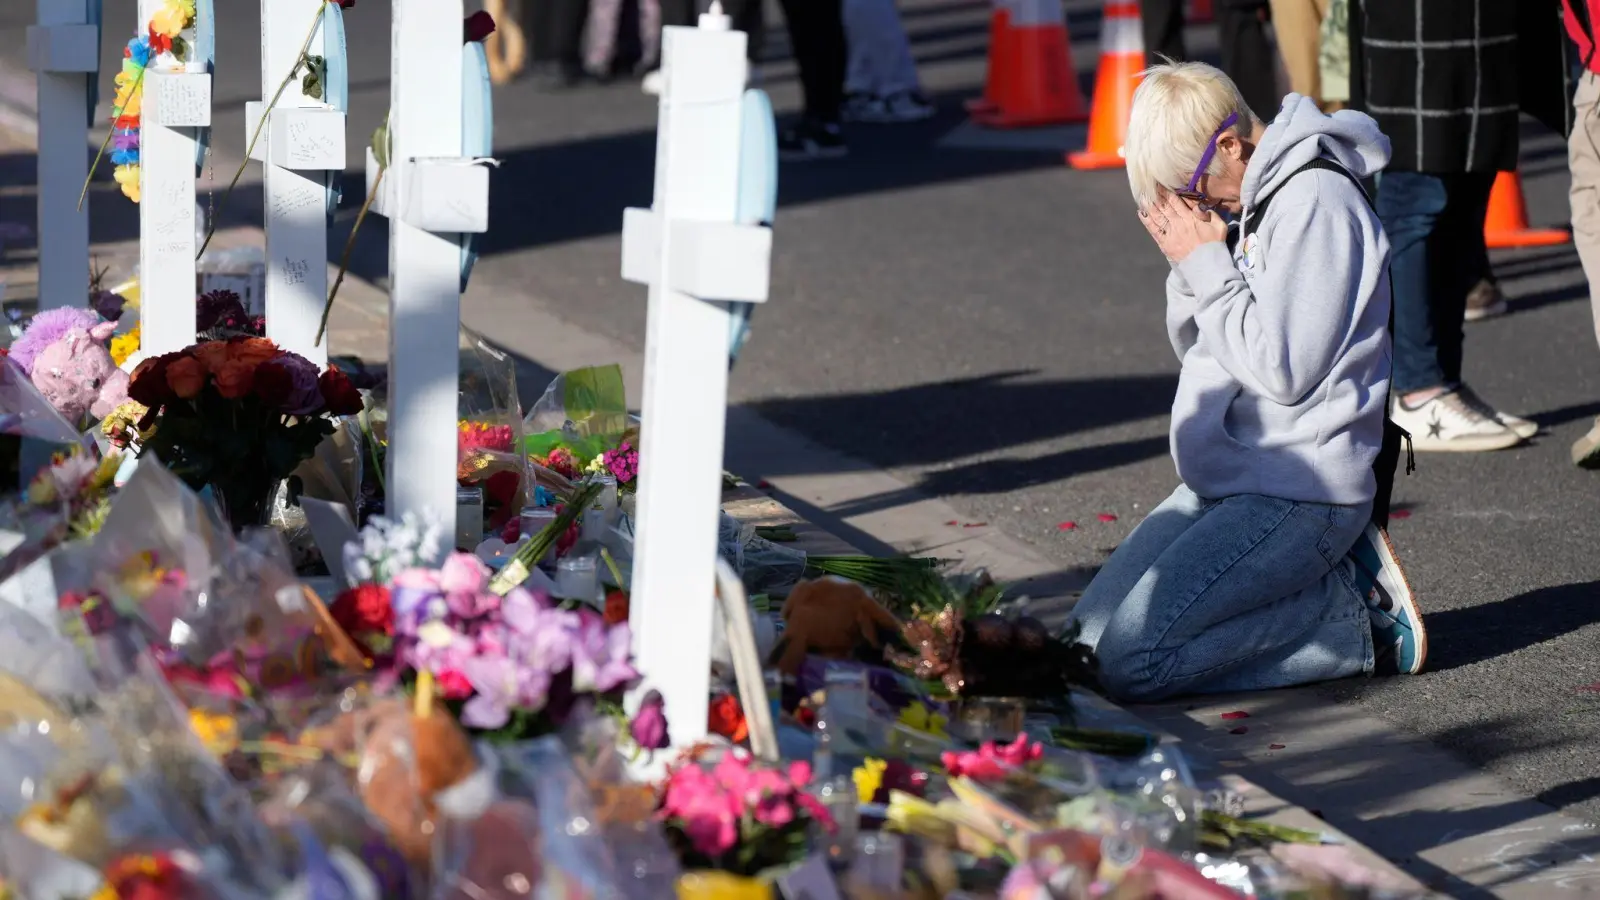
1440 76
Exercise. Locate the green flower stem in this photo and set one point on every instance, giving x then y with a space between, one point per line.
138 85
344 258
522 564
305 47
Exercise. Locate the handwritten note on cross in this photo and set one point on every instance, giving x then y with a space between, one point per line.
301 148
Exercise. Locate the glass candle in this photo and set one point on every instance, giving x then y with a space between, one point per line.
600 515
880 861
533 520
577 578
838 796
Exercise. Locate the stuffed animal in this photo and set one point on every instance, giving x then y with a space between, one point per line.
830 617
64 353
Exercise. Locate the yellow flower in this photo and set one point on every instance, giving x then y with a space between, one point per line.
129 102
920 718
124 346
171 19
128 178
123 416
217 731
42 490
596 465
868 778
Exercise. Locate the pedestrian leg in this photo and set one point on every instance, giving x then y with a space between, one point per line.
816 37
1162 23
1297 24
1247 55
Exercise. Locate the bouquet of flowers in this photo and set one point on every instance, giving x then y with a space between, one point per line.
512 667
78 484
239 415
739 815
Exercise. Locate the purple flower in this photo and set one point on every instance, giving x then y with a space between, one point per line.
600 656
125 139
502 685
649 725
305 395
108 305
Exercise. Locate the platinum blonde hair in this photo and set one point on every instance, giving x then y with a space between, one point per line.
1176 108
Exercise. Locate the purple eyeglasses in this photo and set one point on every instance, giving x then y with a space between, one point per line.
1193 192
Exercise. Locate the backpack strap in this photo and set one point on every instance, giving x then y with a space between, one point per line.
1394 437
1259 211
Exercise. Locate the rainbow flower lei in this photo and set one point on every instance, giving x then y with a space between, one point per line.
162 37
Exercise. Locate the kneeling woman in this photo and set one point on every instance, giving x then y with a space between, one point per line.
1262 569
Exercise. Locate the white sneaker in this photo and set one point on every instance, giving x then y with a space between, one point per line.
1449 424
651 83
1524 428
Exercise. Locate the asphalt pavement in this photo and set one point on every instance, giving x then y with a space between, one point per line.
967 314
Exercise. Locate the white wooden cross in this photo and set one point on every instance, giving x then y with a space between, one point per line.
177 104
301 147
64 51
696 255
433 197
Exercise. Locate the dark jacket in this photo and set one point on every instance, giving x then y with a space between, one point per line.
1540 77
1440 77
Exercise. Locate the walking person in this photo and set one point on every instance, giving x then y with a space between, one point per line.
1297 24
1266 567
881 83
1247 54
556 28
817 39
1451 115
1583 157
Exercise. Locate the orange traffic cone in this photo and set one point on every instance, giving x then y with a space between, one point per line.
1030 69
1121 61
999 30
1506 224
1200 12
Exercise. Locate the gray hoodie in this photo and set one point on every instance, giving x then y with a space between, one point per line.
1284 339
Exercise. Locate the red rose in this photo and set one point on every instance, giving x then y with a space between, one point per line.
617 606
341 396
346 4
478 26
149 384
363 610
272 385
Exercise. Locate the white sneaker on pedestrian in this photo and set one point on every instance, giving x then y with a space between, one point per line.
651 83
1449 424
1524 428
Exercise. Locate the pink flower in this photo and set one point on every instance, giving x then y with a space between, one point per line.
774 811
817 811
991 762
463 573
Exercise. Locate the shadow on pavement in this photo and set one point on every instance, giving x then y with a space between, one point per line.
985 414
1474 634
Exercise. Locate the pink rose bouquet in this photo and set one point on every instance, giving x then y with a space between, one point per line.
740 816
992 761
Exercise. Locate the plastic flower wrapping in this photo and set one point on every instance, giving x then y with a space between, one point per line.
181 715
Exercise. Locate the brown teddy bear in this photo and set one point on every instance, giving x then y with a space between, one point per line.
830 617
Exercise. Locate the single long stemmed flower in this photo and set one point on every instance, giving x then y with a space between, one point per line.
303 60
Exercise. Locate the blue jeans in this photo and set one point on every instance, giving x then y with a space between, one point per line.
1239 594
1436 255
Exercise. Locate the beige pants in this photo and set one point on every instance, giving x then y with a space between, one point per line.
1583 157
1298 24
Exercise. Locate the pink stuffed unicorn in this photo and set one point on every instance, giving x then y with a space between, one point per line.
64 353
